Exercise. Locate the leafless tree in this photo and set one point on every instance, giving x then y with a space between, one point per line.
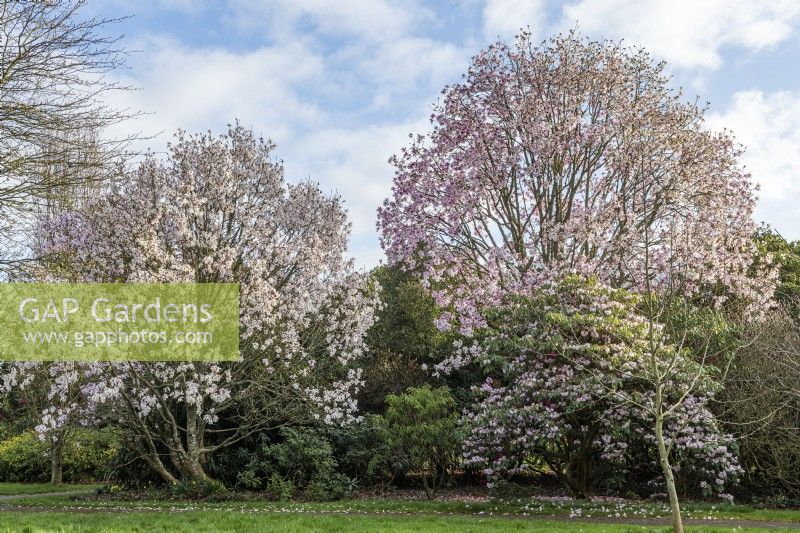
55 67
761 403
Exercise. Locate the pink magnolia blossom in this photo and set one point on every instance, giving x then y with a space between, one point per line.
572 156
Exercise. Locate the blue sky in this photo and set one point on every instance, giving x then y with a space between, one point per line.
339 85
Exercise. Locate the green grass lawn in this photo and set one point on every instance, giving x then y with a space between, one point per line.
515 508
88 513
38 488
236 521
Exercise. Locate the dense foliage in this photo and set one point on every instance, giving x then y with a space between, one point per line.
423 432
786 255
87 457
403 340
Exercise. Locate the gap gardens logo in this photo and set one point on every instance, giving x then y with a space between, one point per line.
119 321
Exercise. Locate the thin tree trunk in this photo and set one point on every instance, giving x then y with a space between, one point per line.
430 490
426 487
666 468
156 464
56 461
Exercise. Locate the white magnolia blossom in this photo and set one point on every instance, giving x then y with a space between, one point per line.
217 210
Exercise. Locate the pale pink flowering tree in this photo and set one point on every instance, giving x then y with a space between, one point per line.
218 210
570 156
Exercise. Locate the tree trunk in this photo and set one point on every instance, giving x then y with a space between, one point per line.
577 473
56 470
430 488
429 493
583 469
194 437
666 468
195 471
186 457
57 459
156 464
187 465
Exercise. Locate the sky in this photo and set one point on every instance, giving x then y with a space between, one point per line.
340 84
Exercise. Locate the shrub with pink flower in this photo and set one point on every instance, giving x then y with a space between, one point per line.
567 391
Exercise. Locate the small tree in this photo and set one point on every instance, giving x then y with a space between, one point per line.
402 340
423 428
54 417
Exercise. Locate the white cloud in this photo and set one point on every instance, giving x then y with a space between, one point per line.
768 125
354 162
410 66
204 88
373 20
687 33
504 18
123 8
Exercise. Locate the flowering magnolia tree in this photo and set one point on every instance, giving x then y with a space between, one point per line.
569 386
570 156
51 392
218 210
